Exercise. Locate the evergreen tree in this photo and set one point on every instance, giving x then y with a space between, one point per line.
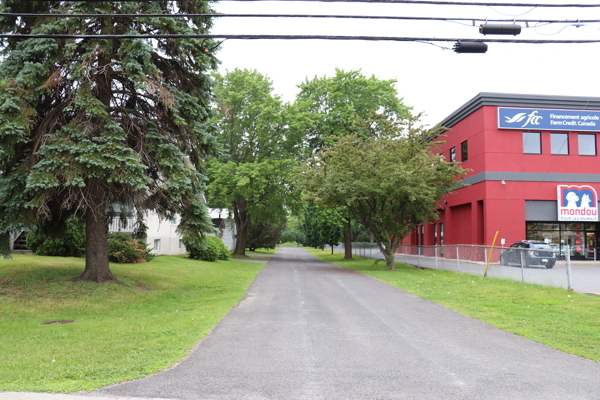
88 123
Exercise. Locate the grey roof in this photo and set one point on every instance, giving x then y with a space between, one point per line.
520 100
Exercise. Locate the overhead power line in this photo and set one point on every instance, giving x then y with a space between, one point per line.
430 2
390 17
289 37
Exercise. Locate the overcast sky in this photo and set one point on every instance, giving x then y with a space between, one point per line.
431 79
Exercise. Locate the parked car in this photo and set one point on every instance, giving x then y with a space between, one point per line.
535 252
561 250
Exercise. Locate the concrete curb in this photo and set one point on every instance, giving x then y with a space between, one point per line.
62 396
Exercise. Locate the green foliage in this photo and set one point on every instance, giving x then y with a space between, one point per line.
222 251
264 235
394 187
111 121
322 226
260 145
331 106
70 244
205 248
126 249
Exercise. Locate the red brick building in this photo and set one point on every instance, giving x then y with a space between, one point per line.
527 153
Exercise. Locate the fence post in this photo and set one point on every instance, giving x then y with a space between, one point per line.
569 283
522 265
435 254
457 259
485 255
418 256
595 254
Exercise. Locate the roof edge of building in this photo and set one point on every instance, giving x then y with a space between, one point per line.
520 100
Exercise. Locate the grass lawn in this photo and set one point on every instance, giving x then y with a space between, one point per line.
259 254
563 320
121 332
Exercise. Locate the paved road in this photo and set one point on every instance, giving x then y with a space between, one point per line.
312 330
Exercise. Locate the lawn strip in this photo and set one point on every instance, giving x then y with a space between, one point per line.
121 332
563 320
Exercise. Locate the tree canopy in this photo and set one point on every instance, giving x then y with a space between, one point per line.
85 124
260 147
332 103
394 187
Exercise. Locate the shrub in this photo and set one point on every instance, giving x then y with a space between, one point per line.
71 244
125 249
206 248
222 251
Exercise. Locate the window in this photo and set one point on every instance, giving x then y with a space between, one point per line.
174 220
587 145
453 154
559 143
464 149
157 244
532 143
181 245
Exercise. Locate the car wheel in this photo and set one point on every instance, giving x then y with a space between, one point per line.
503 260
550 264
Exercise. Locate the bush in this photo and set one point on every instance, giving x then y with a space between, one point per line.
125 249
71 244
222 251
205 248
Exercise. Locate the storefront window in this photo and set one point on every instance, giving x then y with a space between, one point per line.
581 238
542 226
559 143
532 143
587 145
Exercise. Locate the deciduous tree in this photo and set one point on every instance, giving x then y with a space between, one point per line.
389 184
332 105
260 147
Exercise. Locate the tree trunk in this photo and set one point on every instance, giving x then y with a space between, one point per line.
240 242
96 253
389 259
241 224
348 240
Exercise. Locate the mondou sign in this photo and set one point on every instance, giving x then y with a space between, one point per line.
577 203
548 119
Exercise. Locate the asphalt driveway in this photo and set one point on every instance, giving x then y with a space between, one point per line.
311 330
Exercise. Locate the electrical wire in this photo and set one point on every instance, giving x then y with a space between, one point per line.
341 16
428 2
289 37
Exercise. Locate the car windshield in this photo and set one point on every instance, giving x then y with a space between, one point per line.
541 246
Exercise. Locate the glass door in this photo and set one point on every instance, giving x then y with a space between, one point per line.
590 244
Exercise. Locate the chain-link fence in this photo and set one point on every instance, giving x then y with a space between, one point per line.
549 268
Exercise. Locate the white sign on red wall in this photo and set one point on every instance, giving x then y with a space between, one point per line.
577 203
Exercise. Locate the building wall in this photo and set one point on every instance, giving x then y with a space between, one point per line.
503 179
164 231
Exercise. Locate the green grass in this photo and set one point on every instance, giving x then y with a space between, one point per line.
289 244
122 332
259 254
563 320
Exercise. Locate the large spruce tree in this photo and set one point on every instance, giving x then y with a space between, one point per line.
89 123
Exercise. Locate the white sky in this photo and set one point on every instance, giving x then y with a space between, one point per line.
430 79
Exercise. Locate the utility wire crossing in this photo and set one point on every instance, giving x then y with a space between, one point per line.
429 2
289 37
391 17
